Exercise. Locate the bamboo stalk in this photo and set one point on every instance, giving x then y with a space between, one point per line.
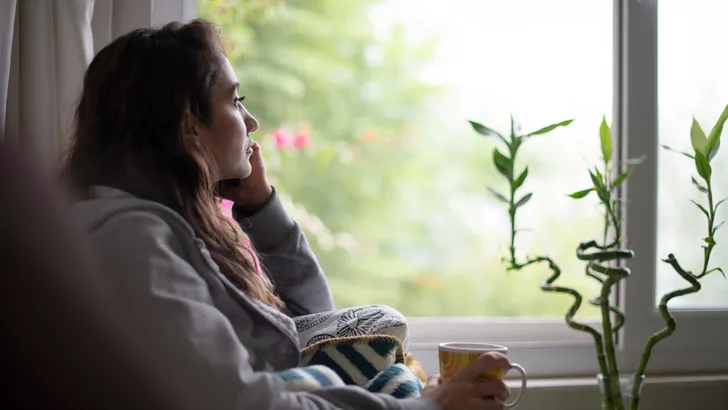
668 330
613 275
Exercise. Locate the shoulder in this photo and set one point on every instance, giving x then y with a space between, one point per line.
146 248
122 227
113 209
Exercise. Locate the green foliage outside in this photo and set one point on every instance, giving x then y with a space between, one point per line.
353 145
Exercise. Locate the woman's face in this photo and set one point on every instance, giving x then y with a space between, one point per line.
227 135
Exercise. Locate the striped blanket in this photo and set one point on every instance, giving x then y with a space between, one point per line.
374 362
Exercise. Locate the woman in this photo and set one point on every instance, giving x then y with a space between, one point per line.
161 134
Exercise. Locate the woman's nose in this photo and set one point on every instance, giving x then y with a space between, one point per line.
250 122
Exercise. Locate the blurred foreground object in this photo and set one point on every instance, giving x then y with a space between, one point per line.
63 347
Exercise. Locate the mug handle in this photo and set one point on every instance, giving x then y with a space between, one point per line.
515 401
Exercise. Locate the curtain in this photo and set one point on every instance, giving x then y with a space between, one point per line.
45 47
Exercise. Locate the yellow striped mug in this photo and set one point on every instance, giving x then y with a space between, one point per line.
456 356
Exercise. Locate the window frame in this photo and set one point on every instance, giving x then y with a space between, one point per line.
549 348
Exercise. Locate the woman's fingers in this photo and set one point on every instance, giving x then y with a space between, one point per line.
433 380
491 404
482 364
491 389
467 389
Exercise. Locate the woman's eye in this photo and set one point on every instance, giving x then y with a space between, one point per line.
239 100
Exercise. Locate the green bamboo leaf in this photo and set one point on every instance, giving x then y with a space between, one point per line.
714 136
715 228
715 208
600 176
668 148
502 163
716 269
497 195
524 200
697 137
702 208
631 163
517 141
594 179
603 196
703 166
515 127
550 128
581 194
700 187
599 187
485 131
597 179
636 161
622 177
521 179
713 150
605 137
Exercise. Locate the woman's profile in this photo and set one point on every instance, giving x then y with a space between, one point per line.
161 135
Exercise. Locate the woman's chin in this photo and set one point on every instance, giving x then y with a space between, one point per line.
245 172
235 178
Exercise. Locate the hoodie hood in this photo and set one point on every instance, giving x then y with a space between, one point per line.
105 202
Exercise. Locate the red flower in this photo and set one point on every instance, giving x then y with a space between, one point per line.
282 138
301 140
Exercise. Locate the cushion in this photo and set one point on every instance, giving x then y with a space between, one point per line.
351 322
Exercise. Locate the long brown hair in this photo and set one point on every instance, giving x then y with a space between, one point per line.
131 133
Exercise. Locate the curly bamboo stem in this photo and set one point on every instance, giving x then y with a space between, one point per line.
670 324
548 286
613 274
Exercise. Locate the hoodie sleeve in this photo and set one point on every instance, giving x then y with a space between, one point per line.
287 258
171 314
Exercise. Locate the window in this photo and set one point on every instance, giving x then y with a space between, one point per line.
699 345
363 107
692 82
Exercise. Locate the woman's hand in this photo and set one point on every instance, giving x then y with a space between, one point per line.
252 192
463 392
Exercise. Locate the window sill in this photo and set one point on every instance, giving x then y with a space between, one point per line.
591 382
576 359
699 392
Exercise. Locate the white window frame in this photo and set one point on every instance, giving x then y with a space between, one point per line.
548 348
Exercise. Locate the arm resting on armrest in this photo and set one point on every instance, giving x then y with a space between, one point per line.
287 258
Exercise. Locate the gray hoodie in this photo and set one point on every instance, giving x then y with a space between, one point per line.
221 341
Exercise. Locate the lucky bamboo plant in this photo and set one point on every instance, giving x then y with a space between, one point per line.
604 258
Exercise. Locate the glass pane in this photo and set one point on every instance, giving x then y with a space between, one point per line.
363 106
692 82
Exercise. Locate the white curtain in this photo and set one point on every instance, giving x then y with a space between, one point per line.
45 47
